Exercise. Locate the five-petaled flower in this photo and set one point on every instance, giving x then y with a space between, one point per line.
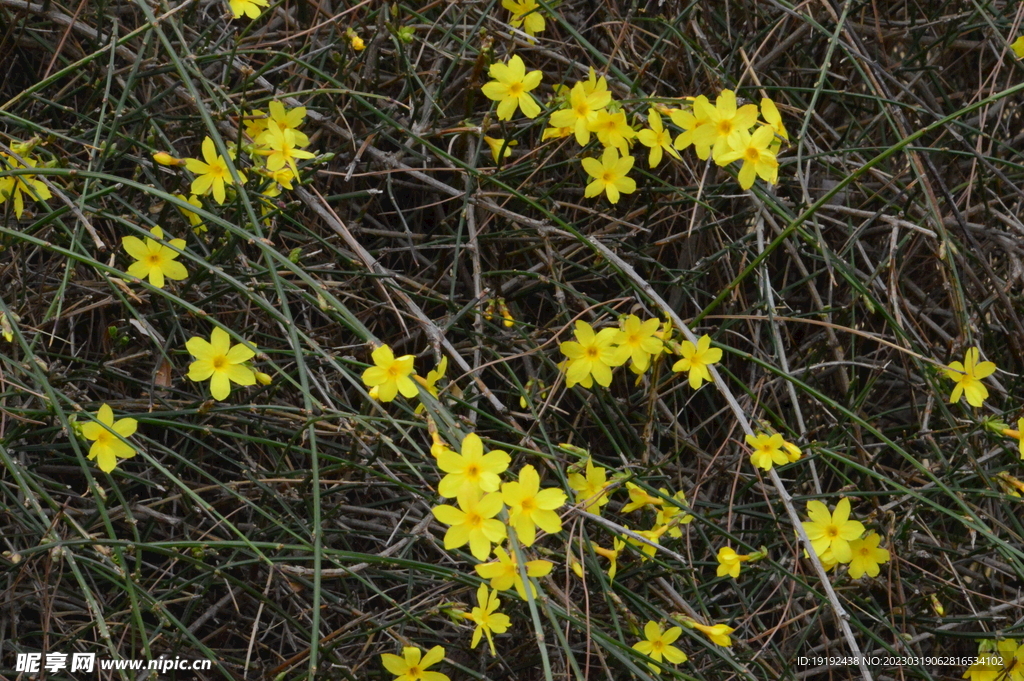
757 158
487 620
16 186
968 378
866 556
153 259
413 664
472 522
213 174
104 432
390 375
657 138
582 111
220 362
832 531
592 356
611 175
642 340
281 148
658 645
724 123
525 13
472 471
590 489
530 507
768 450
504 572
511 88
696 359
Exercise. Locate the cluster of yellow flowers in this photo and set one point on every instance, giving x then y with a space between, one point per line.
657 644
723 132
16 187
837 539
997 661
593 355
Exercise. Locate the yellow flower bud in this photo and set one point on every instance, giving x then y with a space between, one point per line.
165 159
262 378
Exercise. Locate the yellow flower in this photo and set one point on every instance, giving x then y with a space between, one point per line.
525 13
281 148
690 121
652 535
658 645
611 554
487 620
357 43
430 382
1018 47
793 452
504 573
729 562
638 498
497 145
832 531
250 8
220 362
968 378
390 375
511 88
994 662
583 110
438 446
590 490
668 514
5 326
530 507
696 359
257 123
213 174
867 556
153 259
657 138
724 123
472 471
642 340
758 159
106 446
717 633
612 130
165 159
472 523
555 133
768 450
592 356
193 219
14 186
771 115
610 175
411 667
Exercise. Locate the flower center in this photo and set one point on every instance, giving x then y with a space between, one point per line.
658 645
528 505
832 532
724 128
104 438
414 672
153 259
515 89
473 472
392 372
592 352
752 155
474 520
219 362
608 177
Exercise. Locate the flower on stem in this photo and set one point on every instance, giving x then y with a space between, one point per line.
530 507
220 362
153 259
866 556
1018 47
107 447
641 338
281 148
610 175
165 159
638 498
696 359
657 645
504 572
590 489
213 174
353 38
472 523
669 514
968 378
657 138
16 186
249 8
198 227
390 375
472 471
487 620
758 159
430 382
652 535
413 664
583 110
729 562
611 554
716 633
769 450
612 130
771 116
832 531
592 356
724 123
511 88
525 13
690 121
